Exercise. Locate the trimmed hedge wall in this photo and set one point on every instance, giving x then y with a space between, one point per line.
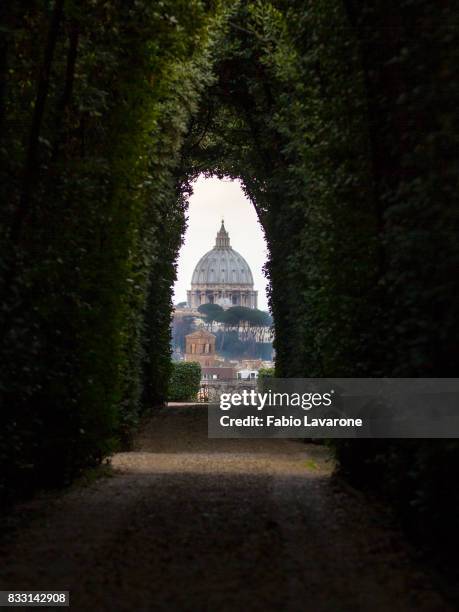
94 106
184 381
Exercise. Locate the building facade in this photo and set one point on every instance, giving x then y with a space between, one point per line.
222 276
200 347
218 373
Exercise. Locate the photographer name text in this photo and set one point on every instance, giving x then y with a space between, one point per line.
287 421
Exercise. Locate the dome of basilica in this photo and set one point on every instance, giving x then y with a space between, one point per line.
222 265
222 276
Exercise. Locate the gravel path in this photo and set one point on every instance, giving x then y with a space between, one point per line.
192 524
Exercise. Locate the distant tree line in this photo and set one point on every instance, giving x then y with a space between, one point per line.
250 323
240 331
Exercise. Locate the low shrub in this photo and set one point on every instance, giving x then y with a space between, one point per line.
184 381
265 373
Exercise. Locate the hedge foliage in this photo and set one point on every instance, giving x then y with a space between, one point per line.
339 117
184 381
343 129
95 101
264 373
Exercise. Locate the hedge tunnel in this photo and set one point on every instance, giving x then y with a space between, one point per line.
343 131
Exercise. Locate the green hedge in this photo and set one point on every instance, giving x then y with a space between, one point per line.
94 107
317 109
266 373
184 381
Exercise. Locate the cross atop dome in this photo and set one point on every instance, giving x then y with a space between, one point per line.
222 241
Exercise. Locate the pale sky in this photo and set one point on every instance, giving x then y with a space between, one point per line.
213 199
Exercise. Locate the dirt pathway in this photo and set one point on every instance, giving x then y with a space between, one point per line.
191 524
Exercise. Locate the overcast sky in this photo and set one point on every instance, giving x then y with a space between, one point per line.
213 199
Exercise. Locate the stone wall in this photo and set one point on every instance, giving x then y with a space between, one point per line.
211 390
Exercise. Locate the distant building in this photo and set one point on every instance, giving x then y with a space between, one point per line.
222 276
247 374
250 364
185 311
218 373
200 347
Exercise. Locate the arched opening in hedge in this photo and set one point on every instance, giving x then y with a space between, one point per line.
270 117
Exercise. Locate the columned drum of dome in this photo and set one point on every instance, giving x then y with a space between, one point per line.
222 276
